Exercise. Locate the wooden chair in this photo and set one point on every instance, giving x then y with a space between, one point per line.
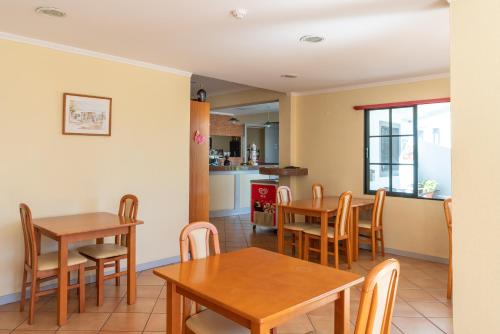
195 244
317 191
43 267
284 195
335 234
378 296
375 227
447 214
107 255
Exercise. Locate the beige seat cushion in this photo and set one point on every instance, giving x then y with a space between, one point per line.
365 224
298 227
103 251
317 231
209 322
50 261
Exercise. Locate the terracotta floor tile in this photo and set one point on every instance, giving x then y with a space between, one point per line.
299 325
149 291
108 306
156 323
142 305
32 332
43 321
149 280
160 306
86 321
403 309
4 331
134 322
163 293
76 332
415 295
51 305
415 326
322 324
433 309
446 324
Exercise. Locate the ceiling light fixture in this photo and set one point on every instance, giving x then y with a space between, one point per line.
311 39
268 124
234 120
50 11
239 13
289 76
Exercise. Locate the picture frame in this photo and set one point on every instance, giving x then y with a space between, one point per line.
86 115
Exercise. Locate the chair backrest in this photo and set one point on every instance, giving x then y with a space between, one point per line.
284 195
129 205
195 241
30 246
447 212
317 191
377 299
378 208
343 214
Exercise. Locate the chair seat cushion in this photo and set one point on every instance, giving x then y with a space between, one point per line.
365 224
103 251
317 231
298 226
209 322
50 261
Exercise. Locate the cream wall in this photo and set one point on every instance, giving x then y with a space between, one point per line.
329 141
475 92
147 154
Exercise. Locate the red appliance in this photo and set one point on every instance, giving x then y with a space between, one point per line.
263 202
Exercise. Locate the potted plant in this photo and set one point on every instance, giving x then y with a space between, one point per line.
427 188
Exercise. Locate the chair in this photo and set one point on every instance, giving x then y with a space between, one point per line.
107 255
195 244
375 227
44 267
317 191
447 214
335 234
284 195
378 296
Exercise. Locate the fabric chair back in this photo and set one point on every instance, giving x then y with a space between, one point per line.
343 214
30 246
377 299
378 208
195 241
283 195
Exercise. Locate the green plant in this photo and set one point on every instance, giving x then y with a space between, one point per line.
428 186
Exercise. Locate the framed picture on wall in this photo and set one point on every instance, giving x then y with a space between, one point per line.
86 115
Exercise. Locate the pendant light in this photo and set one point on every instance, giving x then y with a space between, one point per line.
234 120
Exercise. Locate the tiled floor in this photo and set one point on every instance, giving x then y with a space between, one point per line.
421 305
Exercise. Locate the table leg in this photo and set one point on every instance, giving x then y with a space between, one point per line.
174 310
324 239
260 328
355 233
62 275
342 312
281 235
131 274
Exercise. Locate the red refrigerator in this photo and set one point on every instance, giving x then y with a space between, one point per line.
263 202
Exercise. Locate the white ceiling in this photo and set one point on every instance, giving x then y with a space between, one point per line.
250 109
366 40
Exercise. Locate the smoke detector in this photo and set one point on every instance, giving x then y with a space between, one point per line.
311 39
239 13
50 11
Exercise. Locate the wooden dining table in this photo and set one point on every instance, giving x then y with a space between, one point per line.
323 208
257 289
69 229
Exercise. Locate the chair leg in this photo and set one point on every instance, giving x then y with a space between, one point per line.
117 270
374 243
306 247
382 247
100 282
348 250
336 255
300 237
450 279
81 288
23 291
31 316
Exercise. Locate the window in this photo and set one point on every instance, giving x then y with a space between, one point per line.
408 150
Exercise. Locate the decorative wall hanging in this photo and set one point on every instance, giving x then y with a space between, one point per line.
199 138
86 115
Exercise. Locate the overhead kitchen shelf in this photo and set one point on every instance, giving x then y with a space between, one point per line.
290 171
